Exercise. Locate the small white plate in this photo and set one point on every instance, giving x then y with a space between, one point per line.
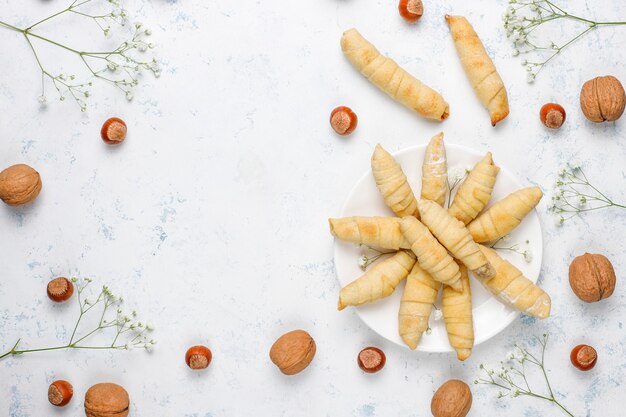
490 316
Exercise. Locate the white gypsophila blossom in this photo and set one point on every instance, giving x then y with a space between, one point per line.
437 315
455 173
575 164
523 18
528 256
362 261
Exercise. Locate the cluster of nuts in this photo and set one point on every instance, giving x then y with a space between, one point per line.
101 400
20 184
602 99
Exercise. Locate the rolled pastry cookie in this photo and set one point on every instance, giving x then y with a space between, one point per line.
481 72
387 75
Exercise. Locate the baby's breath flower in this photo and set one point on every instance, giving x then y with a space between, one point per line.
576 195
363 261
528 256
111 322
120 59
523 18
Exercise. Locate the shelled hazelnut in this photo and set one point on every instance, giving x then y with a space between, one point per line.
411 10
343 120
371 359
60 289
552 115
60 393
113 131
584 357
198 357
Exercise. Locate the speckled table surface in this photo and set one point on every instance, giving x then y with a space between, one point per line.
211 218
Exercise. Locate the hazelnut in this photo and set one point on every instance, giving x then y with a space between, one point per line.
293 352
60 393
113 131
602 99
452 399
584 357
19 184
411 10
106 400
60 289
552 115
371 359
198 357
343 120
592 277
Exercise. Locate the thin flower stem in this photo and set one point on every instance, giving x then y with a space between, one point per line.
123 61
507 377
123 324
522 20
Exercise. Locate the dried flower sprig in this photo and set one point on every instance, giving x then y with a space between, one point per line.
524 17
119 66
456 175
515 247
124 330
574 194
512 377
370 255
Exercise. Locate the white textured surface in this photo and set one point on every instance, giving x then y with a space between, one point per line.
211 218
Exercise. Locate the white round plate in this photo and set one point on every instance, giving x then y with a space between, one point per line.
490 316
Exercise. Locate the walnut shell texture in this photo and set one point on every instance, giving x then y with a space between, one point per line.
592 277
602 99
106 400
452 399
293 352
19 184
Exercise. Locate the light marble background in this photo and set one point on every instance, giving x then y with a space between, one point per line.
211 218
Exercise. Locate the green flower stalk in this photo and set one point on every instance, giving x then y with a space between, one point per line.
575 195
124 332
523 21
512 379
119 66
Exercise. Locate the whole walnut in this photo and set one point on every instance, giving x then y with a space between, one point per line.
19 184
592 277
452 399
602 99
106 400
293 352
